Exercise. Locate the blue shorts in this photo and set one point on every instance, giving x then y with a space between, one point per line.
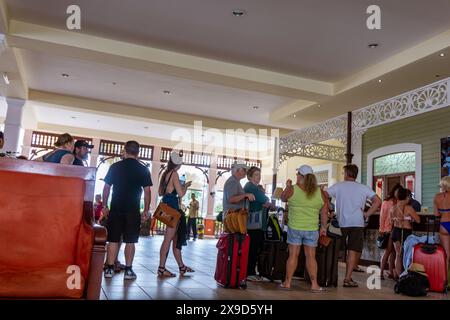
299 237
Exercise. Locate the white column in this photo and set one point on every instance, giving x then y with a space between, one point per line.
357 152
26 148
156 166
13 125
95 152
212 187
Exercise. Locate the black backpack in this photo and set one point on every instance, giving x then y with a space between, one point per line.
413 284
273 231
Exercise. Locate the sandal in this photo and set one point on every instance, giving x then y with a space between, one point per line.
185 269
163 272
320 290
350 284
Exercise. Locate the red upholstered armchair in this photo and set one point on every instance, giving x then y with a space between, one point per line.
49 246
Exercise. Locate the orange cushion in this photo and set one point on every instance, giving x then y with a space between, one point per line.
40 219
38 283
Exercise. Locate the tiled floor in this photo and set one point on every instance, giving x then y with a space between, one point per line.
201 256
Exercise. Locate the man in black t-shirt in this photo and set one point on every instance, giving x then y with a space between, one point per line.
128 178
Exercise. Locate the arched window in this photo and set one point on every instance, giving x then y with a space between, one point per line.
389 165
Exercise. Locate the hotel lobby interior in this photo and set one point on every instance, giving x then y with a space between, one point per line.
273 84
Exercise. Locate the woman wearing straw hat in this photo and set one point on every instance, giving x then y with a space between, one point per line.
171 190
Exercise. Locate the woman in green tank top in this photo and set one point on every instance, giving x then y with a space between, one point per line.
305 201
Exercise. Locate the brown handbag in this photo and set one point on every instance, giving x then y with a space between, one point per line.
228 226
242 218
236 221
167 215
324 241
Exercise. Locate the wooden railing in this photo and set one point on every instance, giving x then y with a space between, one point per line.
225 162
46 140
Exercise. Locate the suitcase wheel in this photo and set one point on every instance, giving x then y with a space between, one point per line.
396 288
243 286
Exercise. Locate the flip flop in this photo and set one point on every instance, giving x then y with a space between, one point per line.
350 284
281 286
320 290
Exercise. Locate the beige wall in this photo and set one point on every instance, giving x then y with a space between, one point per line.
287 169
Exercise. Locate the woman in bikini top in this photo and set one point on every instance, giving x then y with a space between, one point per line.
442 204
442 209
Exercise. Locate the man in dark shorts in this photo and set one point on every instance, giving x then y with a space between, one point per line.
351 198
128 178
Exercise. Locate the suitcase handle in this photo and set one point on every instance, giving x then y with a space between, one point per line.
428 248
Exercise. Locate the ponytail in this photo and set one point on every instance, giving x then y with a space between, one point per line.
310 183
162 182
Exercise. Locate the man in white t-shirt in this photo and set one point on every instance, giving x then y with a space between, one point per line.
351 198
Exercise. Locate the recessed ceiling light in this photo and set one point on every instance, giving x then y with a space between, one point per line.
442 54
318 106
255 107
65 75
379 80
373 45
114 83
295 116
167 92
73 117
238 12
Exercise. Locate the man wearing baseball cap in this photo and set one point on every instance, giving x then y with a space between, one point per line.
233 193
81 151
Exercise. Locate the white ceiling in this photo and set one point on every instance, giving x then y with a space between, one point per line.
325 40
94 80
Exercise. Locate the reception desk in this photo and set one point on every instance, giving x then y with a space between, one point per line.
372 254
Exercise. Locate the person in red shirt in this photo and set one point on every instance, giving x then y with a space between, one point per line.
98 207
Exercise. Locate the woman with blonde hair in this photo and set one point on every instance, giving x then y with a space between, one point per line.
64 151
442 208
305 200
172 190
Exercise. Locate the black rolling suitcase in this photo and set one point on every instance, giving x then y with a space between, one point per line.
274 255
327 263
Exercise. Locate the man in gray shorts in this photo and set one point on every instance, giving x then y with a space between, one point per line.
351 198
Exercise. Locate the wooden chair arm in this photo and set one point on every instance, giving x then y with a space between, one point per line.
99 235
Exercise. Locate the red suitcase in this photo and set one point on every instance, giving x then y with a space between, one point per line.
232 260
433 258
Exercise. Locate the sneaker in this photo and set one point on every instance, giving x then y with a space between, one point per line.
252 278
129 274
108 273
260 279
